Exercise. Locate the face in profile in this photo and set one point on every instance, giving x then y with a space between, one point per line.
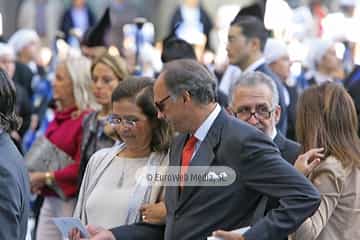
31 50
238 47
62 85
281 67
169 109
131 124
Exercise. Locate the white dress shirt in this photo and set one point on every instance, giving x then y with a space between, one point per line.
203 130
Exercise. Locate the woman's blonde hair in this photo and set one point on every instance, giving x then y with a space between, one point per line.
79 73
115 62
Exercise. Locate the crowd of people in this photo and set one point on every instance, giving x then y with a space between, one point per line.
80 133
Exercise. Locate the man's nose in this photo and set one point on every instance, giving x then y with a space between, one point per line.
253 120
160 115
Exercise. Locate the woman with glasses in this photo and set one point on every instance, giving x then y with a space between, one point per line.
326 118
110 194
106 72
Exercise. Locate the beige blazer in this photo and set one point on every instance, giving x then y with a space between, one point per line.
338 217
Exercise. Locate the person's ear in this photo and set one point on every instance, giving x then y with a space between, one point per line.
277 113
255 43
186 96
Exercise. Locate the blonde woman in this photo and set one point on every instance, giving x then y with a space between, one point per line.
106 73
72 93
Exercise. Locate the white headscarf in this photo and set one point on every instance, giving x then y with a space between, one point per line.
6 50
317 50
22 38
274 49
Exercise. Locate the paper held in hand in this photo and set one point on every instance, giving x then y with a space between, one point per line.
66 224
239 231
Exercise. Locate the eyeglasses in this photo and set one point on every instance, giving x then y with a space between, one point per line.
261 112
160 105
129 121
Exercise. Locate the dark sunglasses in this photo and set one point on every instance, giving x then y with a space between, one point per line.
160 105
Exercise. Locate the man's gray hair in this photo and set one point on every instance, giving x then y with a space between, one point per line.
189 75
253 79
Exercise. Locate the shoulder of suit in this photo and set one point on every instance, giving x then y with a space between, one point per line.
236 131
292 143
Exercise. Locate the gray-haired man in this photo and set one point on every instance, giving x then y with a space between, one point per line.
254 99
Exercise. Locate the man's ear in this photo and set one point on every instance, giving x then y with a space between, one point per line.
277 113
255 43
186 96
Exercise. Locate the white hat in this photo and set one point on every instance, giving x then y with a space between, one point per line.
22 38
6 50
274 49
317 50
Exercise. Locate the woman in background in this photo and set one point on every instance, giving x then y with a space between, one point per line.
327 119
106 73
73 96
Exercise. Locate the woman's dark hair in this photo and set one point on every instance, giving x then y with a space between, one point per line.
8 118
326 117
140 90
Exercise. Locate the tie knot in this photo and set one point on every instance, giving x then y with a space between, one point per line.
192 139
191 142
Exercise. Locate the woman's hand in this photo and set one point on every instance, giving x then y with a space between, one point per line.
153 213
37 181
306 162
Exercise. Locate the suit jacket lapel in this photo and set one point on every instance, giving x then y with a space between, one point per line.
172 192
206 153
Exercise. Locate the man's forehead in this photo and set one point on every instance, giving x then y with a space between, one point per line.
252 95
159 85
235 30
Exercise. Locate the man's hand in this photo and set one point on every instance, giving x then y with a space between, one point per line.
228 235
306 162
96 233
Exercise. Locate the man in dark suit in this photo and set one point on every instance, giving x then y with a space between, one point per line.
246 41
14 183
255 100
77 16
208 136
